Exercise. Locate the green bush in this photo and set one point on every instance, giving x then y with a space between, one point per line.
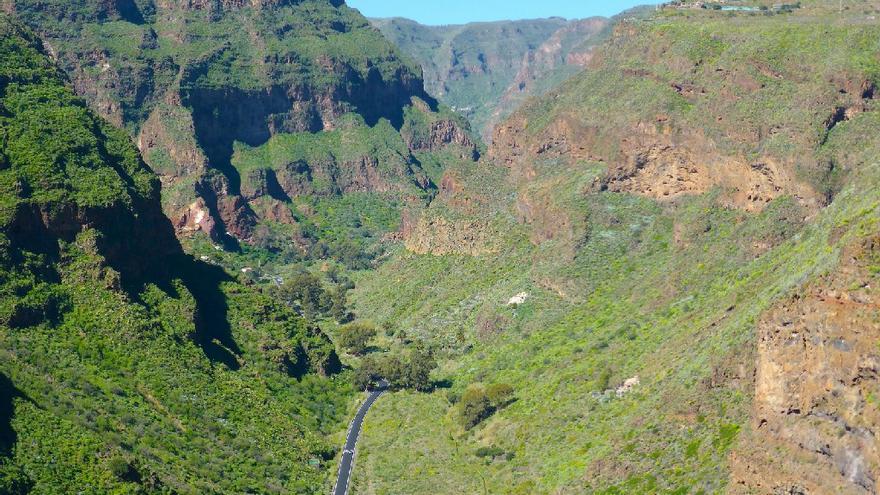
489 451
474 406
499 394
356 336
409 369
305 293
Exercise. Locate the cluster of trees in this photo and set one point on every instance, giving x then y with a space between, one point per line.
405 370
355 337
353 255
305 293
479 402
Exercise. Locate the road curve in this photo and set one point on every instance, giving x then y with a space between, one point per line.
346 463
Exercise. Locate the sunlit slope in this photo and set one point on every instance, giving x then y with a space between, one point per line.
657 210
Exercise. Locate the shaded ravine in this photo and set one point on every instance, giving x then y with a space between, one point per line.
346 463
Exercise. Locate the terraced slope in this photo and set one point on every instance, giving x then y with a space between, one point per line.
125 365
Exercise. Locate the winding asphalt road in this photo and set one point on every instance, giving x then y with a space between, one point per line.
343 478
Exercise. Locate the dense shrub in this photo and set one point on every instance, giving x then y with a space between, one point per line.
355 337
406 370
492 451
499 394
474 407
307 295
478 402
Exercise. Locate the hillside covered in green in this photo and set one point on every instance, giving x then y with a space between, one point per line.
125 365
196 82
660 276
484 70
671 260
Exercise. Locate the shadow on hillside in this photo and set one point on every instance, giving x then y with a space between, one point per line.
13 480
213 331
441 384
151 254
8 394
130 12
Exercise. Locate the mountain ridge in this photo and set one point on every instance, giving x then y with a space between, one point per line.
195 82
484 69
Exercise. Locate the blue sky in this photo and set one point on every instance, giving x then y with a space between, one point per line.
434 12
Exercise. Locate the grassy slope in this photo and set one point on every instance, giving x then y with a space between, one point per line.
140 372
668 292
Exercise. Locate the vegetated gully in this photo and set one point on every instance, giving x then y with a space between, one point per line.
346 463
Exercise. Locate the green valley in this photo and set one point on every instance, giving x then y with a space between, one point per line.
656 211
635 254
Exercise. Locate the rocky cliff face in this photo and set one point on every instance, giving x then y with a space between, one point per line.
694 133
438 236
440 135
485 70
816 384
193 80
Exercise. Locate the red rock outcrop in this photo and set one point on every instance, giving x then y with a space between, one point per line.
441 134
816 412
195 218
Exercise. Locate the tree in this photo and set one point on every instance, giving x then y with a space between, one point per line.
354 337
411 370
351 255
369 372
418 370
394 370
13 479
474 406
339 306
499 394
305 293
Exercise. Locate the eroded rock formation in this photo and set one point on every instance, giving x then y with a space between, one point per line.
816 413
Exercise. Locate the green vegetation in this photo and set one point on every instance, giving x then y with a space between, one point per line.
474 67
307 295
478 402
409 369
570 339
125 365
355 337
499 394
474 407
622 286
